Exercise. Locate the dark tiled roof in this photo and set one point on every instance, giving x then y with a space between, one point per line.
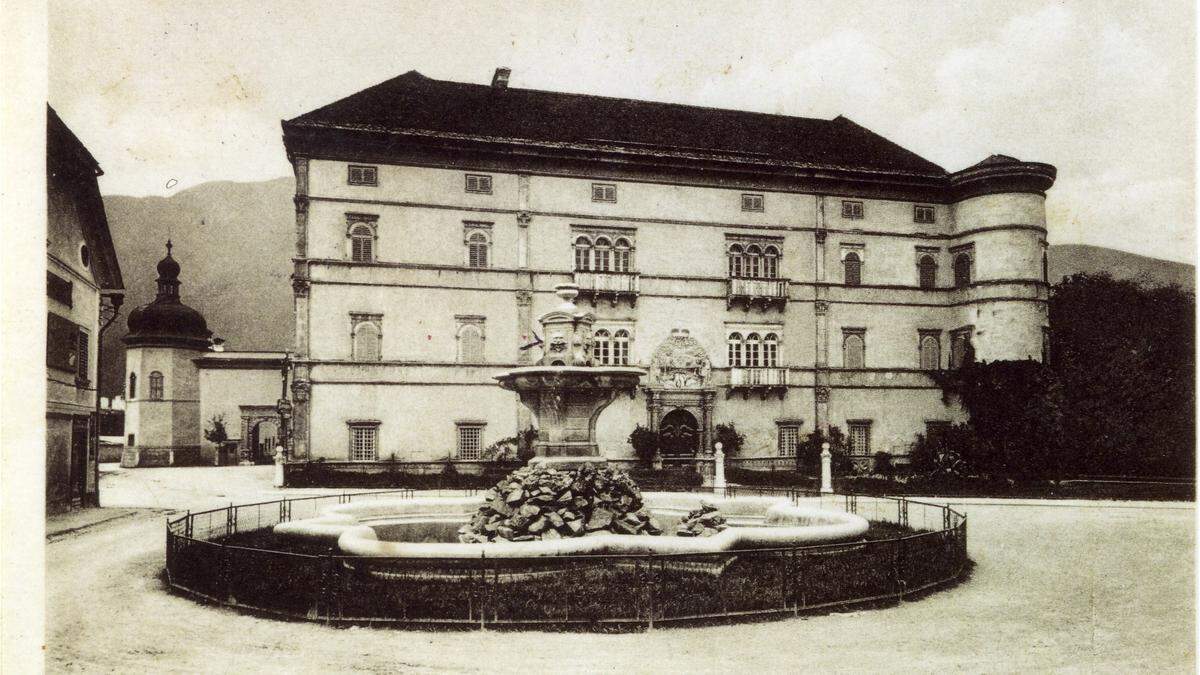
994 160
415 103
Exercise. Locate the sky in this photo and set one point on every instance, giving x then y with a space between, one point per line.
168 95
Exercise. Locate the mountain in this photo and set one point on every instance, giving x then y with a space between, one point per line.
234 240
1067 259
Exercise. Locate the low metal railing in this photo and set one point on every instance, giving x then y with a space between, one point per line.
606 592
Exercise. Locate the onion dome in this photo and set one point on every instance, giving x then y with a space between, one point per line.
167 322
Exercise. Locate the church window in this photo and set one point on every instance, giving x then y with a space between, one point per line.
156 386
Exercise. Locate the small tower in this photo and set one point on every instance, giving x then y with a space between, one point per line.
162 389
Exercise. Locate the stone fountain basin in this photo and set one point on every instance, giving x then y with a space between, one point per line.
420 528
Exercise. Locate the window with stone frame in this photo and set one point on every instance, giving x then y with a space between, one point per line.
479 244
924 214
470 440
602 347
479 183
927 271
470 337
788 438
854 347
770 266
859 436
620 347
363 175
583 253
852 209
366 337
362 236
770 350
602 255
852 268
156 386
929 346
752 202
737 259
364 441
752 257
622 256
961 350
604 192
751 351
962 269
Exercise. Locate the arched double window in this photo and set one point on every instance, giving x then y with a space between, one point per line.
470 343
962 270
622 256
366 341
931 352
737 261
751 351
477 249
854 350
770 350
156 386
853 269
770 266
601 347
602 255
583 254
620 348
362 242
132 393
927 271
735 350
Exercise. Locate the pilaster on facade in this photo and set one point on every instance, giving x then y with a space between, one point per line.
300 167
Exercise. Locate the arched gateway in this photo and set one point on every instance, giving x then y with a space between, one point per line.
679 402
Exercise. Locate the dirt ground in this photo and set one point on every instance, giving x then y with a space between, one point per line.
1092 587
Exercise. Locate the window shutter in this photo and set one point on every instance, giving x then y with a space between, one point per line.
83 357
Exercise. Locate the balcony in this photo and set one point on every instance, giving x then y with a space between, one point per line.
763 380
615 286
762 293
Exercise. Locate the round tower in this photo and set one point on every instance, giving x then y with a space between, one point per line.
162 389
998 259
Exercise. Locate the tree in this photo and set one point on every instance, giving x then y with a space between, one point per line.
729 438
215 433
808 454
645 443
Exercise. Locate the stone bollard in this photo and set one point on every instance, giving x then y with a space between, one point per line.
279 457
718 469
826 470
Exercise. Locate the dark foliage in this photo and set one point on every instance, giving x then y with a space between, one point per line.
729 438
645 443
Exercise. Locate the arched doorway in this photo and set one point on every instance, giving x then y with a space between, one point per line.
679 434
263 437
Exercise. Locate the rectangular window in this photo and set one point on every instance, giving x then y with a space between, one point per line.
62 343
364 442
604 192
363 175
58 288
852 209
923 214
479 183
789 439
470 441
131 439
860 437
961 351
752 202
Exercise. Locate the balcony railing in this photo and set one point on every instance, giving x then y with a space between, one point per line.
612 285
763 380
761 292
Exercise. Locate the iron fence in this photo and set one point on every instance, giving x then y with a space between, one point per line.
594 592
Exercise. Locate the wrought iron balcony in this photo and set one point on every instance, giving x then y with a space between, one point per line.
763 293
763 380
612 285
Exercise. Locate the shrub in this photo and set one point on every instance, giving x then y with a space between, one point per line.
645 443
884 465
216 433
729 438
808 455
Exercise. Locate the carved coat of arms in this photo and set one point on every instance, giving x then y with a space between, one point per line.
680 362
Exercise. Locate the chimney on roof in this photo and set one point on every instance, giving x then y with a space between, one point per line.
500 79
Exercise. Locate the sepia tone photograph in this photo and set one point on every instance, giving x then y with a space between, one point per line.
599 337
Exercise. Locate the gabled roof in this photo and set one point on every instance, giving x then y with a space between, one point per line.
413 103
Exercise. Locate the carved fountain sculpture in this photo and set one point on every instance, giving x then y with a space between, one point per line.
567 391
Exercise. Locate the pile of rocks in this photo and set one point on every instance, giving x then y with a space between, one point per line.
542 503
703 522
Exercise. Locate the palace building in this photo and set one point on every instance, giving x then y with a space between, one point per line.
779 273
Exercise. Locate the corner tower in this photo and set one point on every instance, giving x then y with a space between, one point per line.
162 414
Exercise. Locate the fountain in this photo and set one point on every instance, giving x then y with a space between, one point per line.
567 392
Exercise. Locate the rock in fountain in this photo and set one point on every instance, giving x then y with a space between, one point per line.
567 391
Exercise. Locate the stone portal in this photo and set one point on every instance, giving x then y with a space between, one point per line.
679 400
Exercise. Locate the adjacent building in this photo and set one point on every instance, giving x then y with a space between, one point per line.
778 273
83 291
